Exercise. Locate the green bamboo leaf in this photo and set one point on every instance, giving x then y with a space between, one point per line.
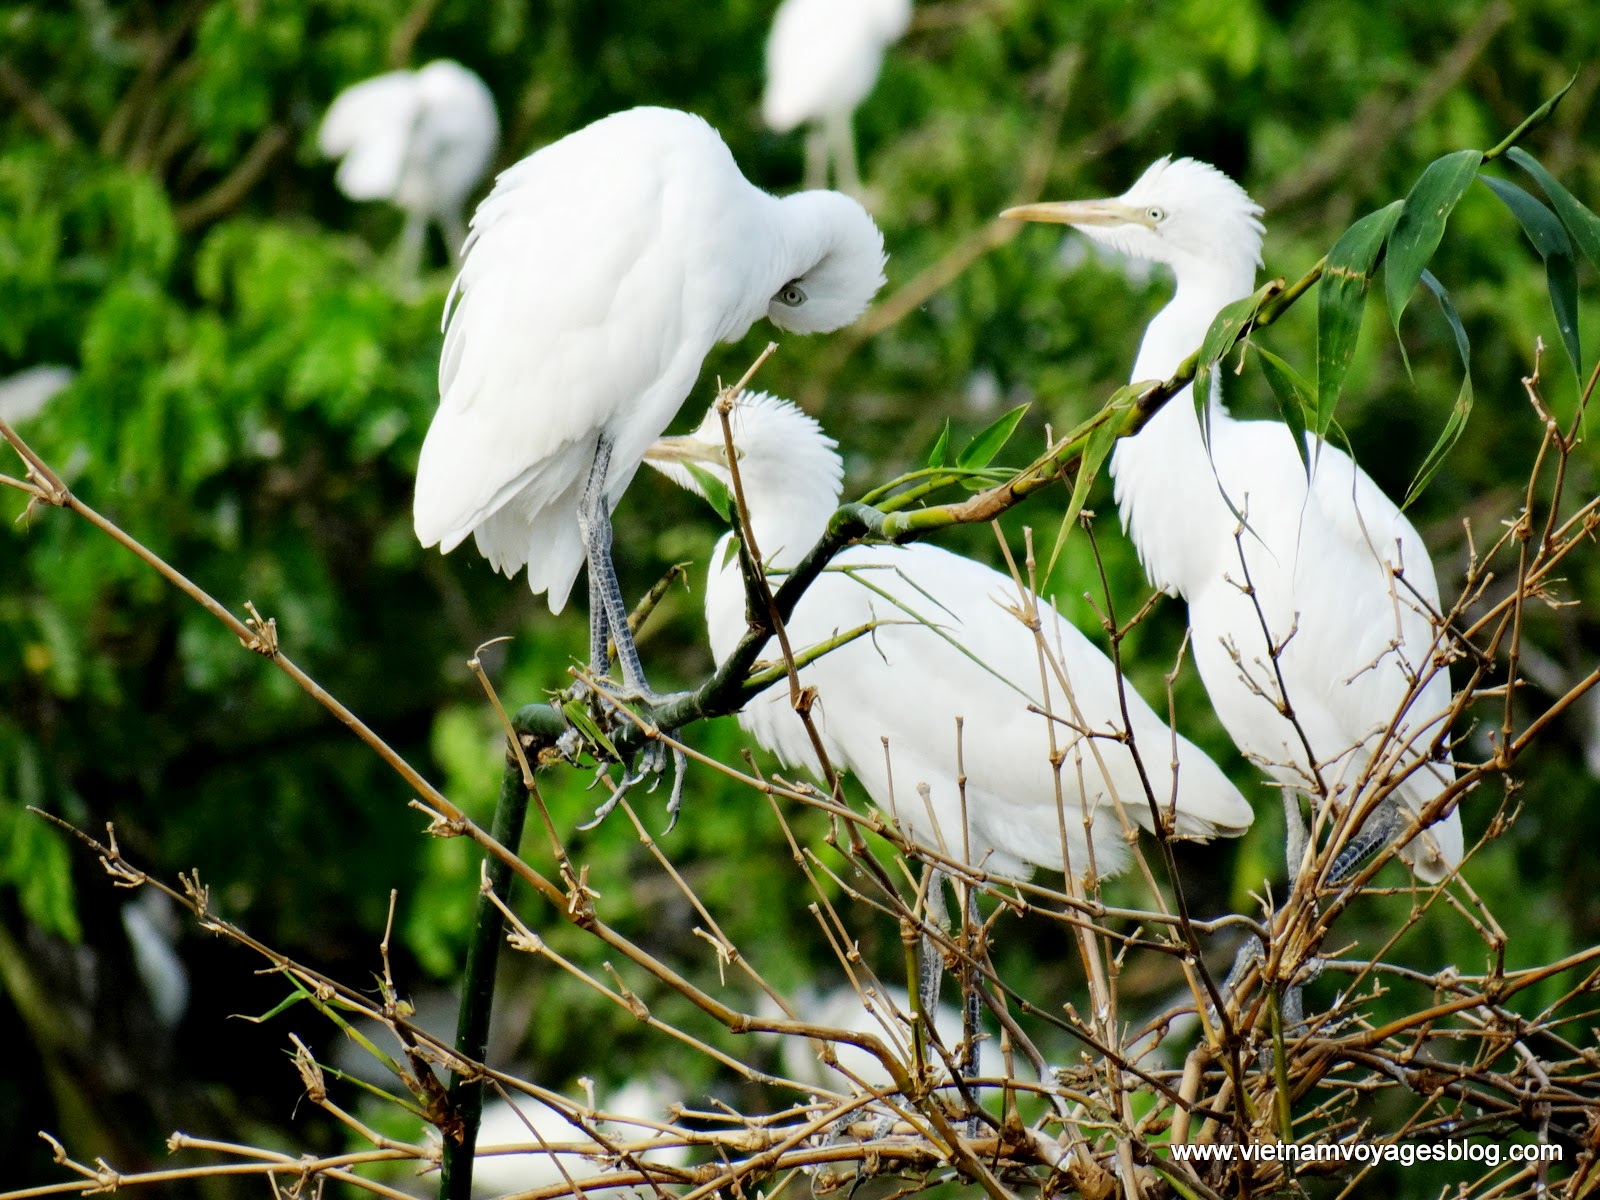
1549 238
713 489
577 715
1537 116
1463 406
1296 400
980 451
1581 223
1421 225
1340 301
1225 331
1095 452
940 454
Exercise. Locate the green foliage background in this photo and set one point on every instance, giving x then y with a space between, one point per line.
253 388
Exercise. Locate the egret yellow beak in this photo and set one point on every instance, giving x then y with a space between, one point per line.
685 450
1080 212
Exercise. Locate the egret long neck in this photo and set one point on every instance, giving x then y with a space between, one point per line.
1165 489
790 515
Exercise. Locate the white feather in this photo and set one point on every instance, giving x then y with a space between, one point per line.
947 647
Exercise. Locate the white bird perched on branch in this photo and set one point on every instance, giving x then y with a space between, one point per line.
422 140
598 274
945 646
1341 591
823 58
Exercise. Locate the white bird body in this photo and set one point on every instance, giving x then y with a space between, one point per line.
1343 581
422 140
24 395
598 274
947 648
823 57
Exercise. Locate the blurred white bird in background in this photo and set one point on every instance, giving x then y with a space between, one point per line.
599 272
823 58
845 1008
422 140
1344 583
948 647
24 395
528 1169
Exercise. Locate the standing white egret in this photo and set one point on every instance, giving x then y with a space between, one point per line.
823 58
422 140
947 647
599 272
1343 581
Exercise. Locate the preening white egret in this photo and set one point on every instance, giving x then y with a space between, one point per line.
534 1126
947 647
598 274
422 140
823 57
1343 582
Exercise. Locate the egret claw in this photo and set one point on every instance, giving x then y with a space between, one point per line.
680 767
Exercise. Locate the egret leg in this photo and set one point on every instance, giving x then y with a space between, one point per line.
842 145
608 615
1381 826
930 976
1296 833
605 593
816 157
408 253
454 231
930 969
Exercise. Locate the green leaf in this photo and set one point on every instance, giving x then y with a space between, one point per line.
578 716
1346 274
1101 439
1296 400
1549 238
1225 330
980 451
713 490
1581 223
1463 405
1538 115
1421 225
940 454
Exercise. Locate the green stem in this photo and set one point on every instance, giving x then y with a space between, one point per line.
477 988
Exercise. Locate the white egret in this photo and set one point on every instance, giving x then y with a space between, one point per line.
422 140
1342 581
598 274
823 58
24 395
532 1127
947 647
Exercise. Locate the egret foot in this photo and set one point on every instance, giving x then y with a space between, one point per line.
1380 828
652 761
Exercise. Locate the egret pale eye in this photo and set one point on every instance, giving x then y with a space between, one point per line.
791 294
1156 214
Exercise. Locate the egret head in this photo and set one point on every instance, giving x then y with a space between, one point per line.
785 460
830 260
1181 212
